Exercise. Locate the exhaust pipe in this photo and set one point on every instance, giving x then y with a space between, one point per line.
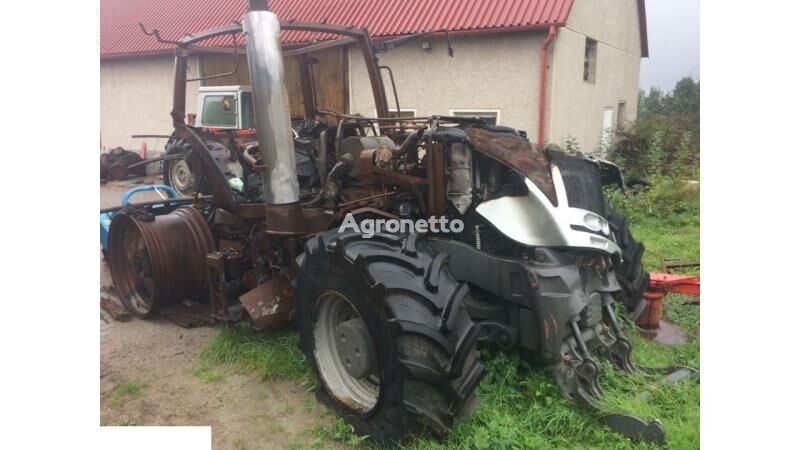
271 105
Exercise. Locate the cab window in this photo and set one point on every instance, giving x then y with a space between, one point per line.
219 111
248 121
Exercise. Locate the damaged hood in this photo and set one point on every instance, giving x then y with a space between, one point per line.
517 153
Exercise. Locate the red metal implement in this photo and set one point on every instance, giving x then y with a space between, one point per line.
661 284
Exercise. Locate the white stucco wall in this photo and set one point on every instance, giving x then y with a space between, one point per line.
576 107
488 72
136 98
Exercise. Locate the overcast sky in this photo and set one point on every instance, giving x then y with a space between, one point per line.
673 33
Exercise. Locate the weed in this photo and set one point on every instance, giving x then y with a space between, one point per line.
571 145
124 392
338 431
207 375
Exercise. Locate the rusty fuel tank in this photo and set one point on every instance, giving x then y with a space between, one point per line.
156 260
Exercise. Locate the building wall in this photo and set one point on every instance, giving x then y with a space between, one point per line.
497 71
493 71
576 106
136 98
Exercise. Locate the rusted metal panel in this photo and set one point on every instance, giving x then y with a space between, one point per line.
295 219
188 314
217 267
436 176
269 304
518 154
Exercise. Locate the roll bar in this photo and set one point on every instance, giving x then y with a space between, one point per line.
188 45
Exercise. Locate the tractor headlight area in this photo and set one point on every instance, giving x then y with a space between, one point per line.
595 223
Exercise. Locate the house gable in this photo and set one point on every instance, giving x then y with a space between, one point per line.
617 23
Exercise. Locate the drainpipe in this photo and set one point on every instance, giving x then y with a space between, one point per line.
551 35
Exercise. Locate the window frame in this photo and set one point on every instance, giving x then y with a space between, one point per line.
235 110
622 107
590 50
413 111
240 111
462 112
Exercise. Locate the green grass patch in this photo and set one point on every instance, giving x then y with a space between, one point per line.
340 432
521 407
666 218
124 392
666 241
207 375
686 316
271 355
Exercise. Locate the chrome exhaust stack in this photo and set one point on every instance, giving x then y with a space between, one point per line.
271 105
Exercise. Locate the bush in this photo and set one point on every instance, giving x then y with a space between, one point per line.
670 200
665 139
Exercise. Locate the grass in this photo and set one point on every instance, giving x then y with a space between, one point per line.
124 392
667 241
271 356
337 431
521 407
207 375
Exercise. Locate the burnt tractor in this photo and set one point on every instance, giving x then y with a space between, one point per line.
388 319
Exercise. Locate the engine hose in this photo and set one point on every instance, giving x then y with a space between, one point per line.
409 144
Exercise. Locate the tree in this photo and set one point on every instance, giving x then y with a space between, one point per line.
685 98
652 103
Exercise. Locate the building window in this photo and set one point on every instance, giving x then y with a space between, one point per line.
621 115
589 60
404 113
490 116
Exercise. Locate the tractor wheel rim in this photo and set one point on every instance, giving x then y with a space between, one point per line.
181 178
357 393
136 283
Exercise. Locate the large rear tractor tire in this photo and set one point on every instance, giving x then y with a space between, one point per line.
632 277
384 327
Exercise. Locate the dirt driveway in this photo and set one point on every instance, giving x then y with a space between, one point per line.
159 359
148 376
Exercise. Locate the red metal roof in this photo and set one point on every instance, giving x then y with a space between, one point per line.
120 35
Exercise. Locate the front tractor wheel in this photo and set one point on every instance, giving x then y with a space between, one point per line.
384 328
632 277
